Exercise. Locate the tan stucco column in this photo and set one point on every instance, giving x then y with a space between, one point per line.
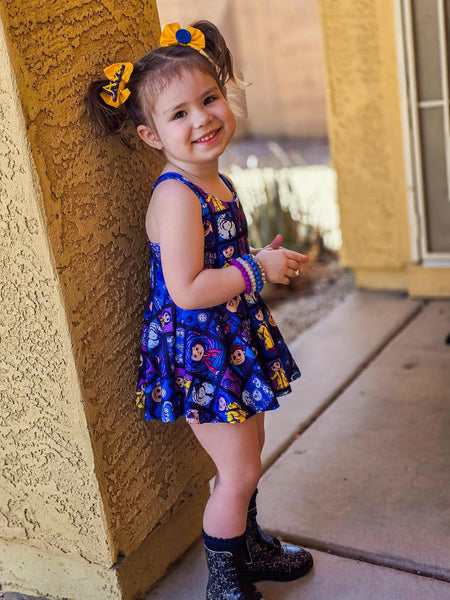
366 139
94 501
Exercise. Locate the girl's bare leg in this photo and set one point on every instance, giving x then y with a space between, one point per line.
235 449
259 418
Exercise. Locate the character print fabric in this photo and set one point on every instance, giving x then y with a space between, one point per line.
222 364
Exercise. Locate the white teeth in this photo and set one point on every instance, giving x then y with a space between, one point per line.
207 137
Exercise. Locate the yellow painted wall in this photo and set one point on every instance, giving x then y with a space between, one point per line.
47 478
88 481
280 46
365 131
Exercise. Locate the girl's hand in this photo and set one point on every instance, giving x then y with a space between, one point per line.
275 244
280 264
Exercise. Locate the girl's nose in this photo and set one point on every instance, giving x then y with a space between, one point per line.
202 118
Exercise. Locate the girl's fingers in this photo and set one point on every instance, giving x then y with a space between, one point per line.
293 264
277 241
296 256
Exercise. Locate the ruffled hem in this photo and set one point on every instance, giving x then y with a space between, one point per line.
190 416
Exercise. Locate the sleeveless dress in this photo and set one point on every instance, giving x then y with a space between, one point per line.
217 365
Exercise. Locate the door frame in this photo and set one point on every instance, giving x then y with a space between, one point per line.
411 136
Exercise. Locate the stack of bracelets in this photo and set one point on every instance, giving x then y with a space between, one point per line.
252 272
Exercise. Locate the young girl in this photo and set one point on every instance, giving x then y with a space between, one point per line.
211 351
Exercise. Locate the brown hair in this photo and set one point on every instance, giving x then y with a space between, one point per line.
156 70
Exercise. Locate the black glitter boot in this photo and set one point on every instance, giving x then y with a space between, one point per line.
269 558
226 579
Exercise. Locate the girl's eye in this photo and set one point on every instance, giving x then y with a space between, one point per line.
209 99
179 115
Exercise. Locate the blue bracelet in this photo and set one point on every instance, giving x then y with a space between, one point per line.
257 269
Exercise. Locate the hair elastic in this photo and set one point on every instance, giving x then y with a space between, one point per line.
115 93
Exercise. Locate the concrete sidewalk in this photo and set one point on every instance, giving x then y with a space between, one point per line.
358 459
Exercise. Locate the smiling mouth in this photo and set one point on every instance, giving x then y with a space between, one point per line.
207 137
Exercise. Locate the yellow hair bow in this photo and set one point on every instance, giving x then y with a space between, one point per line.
173 35
115 92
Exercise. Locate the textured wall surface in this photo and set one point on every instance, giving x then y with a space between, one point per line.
278 47
365 131
49 497
94 195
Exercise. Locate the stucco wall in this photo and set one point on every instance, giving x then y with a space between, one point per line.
76 300
366 136
49 497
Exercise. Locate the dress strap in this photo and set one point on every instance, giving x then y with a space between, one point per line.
228 183
173 175
195 188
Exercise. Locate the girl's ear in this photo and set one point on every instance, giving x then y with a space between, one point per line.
149 136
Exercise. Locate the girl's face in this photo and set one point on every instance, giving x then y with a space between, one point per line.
192 119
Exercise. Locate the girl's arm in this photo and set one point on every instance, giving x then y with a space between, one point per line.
178 215
179 223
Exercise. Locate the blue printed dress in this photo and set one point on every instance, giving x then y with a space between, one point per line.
217 365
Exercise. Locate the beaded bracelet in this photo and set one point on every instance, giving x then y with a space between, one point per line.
258 271
261 269
243 270
251 274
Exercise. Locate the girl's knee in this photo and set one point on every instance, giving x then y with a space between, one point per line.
242 481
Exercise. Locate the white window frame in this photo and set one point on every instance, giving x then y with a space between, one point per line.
411 133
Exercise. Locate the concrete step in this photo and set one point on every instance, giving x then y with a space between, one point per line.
332 578
369 479
330 354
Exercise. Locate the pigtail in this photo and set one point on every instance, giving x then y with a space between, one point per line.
106 119
217 50
229 76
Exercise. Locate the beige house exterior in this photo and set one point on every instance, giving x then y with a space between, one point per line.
95 502
395 227
319 66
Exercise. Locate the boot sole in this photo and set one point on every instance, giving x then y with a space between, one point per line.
267 576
